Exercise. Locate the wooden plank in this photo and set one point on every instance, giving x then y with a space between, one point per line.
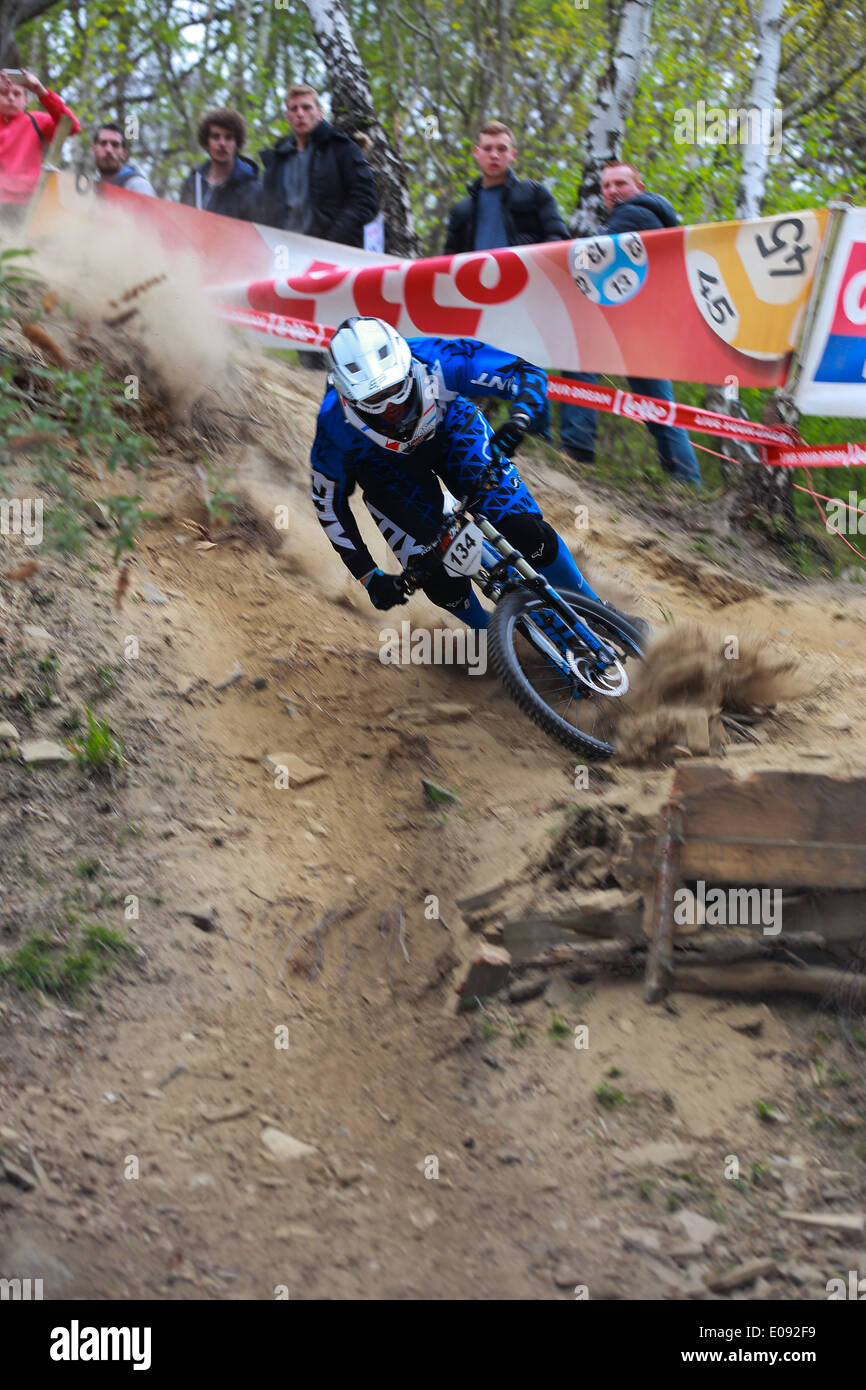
753 861
837 916
605 913
798 806
659 962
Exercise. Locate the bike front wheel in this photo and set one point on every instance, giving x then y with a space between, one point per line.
529 647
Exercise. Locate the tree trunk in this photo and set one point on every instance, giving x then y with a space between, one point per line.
354 113
766 495
613 102
14 13
762 104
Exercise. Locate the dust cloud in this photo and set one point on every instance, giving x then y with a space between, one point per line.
106 268
693 673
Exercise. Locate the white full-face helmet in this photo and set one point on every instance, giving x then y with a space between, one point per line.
385 392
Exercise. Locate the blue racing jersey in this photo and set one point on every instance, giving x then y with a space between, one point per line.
405 488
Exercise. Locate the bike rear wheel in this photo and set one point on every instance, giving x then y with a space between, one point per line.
562 704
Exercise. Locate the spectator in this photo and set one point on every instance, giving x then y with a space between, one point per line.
502 210
24 135
228 182
631 209
111 157
316 180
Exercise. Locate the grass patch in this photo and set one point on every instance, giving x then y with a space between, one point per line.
46 965
41 966
97 749
558 1027
106 941
609 1096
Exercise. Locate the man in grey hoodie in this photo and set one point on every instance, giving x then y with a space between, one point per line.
632 209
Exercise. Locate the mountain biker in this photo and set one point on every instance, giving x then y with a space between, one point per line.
395 421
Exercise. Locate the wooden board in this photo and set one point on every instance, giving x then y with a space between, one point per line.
735 860
779 806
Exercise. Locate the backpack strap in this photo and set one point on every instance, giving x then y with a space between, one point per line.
33 121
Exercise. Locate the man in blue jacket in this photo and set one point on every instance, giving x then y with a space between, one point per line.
632 209
227 182
395 422
503 210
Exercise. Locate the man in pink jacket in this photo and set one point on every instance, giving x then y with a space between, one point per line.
25 134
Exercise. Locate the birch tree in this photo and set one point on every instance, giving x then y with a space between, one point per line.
768 26
353 112
614 98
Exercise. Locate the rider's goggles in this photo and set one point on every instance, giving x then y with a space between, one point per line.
392 396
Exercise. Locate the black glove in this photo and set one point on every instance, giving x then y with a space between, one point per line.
510 435
384 589
490 478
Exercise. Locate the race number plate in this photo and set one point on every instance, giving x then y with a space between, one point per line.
465 554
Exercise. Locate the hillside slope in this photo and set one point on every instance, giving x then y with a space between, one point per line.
321 1003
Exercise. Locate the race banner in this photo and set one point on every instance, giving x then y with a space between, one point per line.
819 456
649 410
833 371
712 303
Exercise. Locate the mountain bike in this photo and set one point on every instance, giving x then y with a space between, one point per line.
560 655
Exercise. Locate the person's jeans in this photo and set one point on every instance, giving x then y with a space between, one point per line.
675 451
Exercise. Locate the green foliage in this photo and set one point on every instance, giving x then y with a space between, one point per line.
220 501
41 966
56 415
608 1096
97 749
50 965
558 1028
14 278
105 941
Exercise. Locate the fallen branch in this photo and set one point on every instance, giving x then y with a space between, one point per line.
317 934
611 953
775 977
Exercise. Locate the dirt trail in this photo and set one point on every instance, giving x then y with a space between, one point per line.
539 1188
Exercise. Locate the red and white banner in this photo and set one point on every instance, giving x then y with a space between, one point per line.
822 456
711 303
649 410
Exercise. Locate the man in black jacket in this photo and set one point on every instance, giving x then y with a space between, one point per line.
631 209
502 210
316 180
227 182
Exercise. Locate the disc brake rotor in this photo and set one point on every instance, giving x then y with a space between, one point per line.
610 680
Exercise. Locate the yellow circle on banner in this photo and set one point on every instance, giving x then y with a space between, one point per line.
750 280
